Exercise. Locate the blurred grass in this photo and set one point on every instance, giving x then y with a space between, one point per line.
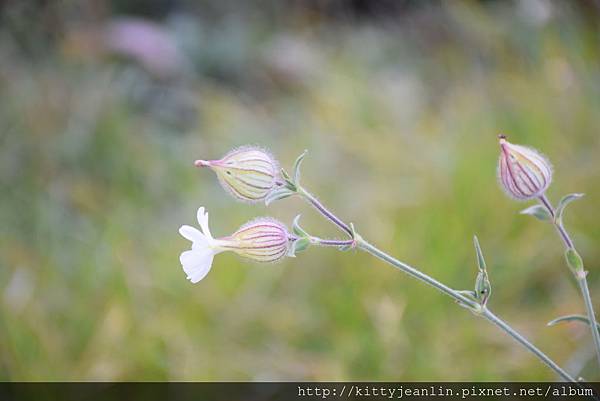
400 118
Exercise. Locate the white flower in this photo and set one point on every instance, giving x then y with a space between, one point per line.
262 240
198 261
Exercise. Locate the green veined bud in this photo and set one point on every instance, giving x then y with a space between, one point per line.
263 240
523 172
248 173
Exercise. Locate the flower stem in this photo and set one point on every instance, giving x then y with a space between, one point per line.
411 271
324 211
461 299
331 242
580 275
525 343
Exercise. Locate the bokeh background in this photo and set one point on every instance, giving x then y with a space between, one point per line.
104 105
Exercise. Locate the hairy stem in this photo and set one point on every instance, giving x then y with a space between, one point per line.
461 299
478 309
411 271
332 242
310 198
525 343
580 276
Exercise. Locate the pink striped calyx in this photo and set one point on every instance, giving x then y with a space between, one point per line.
249 173
523 172
263 240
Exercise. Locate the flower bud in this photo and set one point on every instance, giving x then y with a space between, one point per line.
263 240
248 173
523 172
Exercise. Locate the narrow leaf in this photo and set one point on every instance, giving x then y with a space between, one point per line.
299 231
574 260
353 230
480 260
301 244
277 194
564 202
538 211
571 318
297 164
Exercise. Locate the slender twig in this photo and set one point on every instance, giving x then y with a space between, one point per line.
332 242
580 275
524 342
461 299
324 211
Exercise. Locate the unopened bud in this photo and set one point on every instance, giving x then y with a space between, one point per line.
263 240
523 172
248 173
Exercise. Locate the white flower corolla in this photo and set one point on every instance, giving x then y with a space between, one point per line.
262 240
248 173
198 261
523 172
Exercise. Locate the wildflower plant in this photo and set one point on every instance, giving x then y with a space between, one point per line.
262 240
252 174
525 174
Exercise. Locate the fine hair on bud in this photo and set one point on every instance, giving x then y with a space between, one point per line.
263 239
523 172
248 173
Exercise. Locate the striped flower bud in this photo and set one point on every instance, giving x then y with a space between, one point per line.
248 173
523 172
262 240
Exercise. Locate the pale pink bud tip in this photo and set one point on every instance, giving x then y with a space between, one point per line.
248 173
523 172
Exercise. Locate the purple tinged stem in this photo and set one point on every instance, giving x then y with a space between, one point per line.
324 211
580 276
333 242
411 271
564 235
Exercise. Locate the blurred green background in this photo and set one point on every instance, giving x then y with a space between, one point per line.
104 105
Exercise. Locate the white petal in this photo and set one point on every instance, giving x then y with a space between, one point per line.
202 217
191 233
196 264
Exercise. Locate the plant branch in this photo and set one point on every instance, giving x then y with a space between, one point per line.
310 198
580 274
461 299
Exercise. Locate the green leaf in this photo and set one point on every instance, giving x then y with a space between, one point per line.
564 202
353 230
571 318
297 164
483 287
574 260
277 194
298 246
480 260
538 211
299 231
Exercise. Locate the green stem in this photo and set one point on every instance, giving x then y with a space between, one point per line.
585 291
411 271
462 300
580 274
525 343
475 307
311 199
